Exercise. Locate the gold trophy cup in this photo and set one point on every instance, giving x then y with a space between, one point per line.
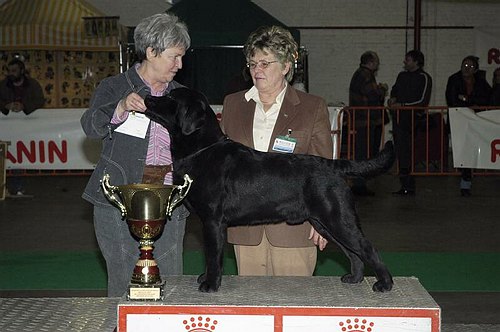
146 208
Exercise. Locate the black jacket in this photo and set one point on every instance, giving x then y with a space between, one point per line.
412 88
364 91
481 92
32 96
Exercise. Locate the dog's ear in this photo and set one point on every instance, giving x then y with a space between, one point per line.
194 117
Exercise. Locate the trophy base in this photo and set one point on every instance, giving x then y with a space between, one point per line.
139 292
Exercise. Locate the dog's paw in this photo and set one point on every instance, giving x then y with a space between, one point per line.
201 278
351 279
382 286
205 287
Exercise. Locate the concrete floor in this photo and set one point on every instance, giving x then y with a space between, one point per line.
437 219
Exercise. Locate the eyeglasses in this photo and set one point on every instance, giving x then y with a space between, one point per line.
262 64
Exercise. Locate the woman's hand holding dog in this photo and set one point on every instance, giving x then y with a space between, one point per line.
133 102
318 240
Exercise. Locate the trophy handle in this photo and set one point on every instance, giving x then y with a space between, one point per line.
183 191
109 192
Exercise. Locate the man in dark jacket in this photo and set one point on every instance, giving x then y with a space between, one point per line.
468 88
18 92
412 88
364 91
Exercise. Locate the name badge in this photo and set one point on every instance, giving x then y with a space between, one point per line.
284 144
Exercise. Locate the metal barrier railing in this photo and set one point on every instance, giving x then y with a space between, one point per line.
430 142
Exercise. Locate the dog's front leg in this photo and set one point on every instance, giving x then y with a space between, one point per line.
214 235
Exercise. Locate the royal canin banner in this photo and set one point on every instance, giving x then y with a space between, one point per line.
52 139
48 139
475 138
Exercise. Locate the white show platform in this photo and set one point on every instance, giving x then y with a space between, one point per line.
284 304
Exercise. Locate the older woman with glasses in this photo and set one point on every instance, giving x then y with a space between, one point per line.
274 117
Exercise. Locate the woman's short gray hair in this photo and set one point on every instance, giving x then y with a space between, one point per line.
276 40
160 31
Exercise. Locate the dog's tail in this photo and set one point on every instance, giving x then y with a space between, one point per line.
371 167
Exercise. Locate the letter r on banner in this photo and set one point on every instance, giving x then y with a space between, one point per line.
495 150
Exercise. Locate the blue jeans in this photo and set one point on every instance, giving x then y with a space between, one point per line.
121 250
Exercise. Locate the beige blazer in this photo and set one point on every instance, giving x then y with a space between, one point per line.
307 116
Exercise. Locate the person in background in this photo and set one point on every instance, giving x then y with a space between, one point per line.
19 93
365 91
412 88
272 116
468 88
161 41
495 91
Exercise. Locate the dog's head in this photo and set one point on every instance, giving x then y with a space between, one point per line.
188 117
182 109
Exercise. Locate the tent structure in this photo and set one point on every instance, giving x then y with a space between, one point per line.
218 30
223 22
68 46
55 25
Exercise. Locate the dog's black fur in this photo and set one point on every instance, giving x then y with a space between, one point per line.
236 185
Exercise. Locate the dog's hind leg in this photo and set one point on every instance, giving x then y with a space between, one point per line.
369 256
349 234
362 253
384 279
357 268
360 250
339 223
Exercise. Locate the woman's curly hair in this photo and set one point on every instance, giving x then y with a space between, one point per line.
275 40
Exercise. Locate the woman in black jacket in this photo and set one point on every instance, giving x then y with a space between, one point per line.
468 88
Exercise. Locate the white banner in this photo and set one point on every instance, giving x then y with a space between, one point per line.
48 139
475 138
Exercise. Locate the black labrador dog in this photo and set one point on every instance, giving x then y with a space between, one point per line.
235 185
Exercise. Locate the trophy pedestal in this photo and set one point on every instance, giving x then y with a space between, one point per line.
140 292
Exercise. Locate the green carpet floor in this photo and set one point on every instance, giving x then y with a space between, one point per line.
85 270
